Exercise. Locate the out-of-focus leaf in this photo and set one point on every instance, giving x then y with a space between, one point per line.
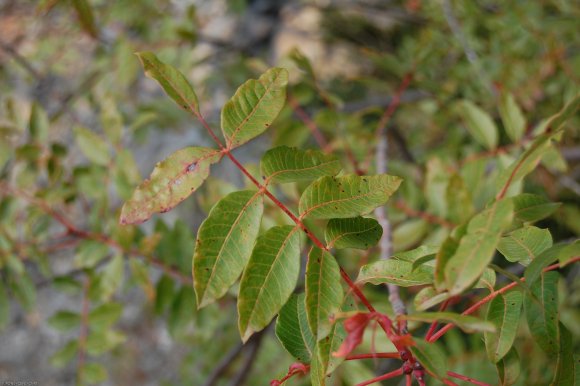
477 247
288 164
100 342
508 368
524 244
542 312
323 291
479 124
171 80
65 320
431 356
39 124
4 307
93 373
224 244
568 252
459 201
466 322
293 331
89 253
65 354
348 196
531 207
93 146
356 232
254 107
112 276
269 278
171 182
105 315
86 17
164 294
512 117
556 121
504 312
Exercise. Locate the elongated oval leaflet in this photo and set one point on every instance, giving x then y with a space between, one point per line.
293 331
504 312
254 107
224 244
323 291
542 312
288 164
269 278
347 196
171 80
477 247
356 232
171 182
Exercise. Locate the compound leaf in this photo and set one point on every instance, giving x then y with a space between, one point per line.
269 278
224 244
348 196
171 182
254 107
288 164
323 291
356 232
504 312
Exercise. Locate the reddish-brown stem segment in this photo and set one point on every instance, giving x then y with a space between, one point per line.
389 355
390 375
467 379
490 297
314 130
435 323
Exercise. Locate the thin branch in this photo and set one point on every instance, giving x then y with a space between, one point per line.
220 369
385 243
490 297
430 218
386 355
84 330
433 326
467 379
310 124
21 60
390 375
250 359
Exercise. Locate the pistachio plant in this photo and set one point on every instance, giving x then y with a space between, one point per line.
322 324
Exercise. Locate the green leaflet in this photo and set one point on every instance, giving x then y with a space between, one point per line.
269 278
171 182
254 107
466 322
39 124
323 291
431 356
504 312
524 244
556 121
329 345
428 297
512 117
542 312
508 368
172 81
86 17
550 255
293 331
526 162
347 196
477 247
224 244
566 372
531 207
396 272
356 232
479 124
289 164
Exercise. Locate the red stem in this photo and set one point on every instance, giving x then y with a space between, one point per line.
467 379
435 323
390 355
392 374
491 296
314 130
408 380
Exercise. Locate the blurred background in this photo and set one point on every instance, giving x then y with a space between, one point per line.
85 301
